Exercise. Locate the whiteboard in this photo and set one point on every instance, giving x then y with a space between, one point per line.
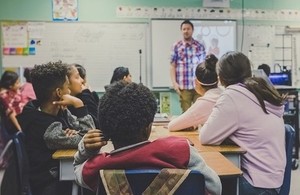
99 47
164 33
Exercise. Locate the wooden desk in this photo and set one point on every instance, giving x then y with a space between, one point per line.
66 169
231 152
219 163
224 160
215 160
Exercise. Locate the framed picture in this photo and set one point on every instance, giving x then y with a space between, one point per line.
65 10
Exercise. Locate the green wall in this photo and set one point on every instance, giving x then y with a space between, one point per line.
105 11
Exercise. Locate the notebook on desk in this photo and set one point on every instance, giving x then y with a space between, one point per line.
161 118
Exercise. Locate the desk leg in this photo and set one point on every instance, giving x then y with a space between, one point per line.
67 174
234 158
237 186
74 188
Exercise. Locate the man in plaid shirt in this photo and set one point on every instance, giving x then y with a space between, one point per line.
185 56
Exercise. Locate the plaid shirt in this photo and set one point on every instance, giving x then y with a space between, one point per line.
12 101
186 57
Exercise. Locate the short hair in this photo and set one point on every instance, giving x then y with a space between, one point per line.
119 74
266 68
46 78
187 22
206 72
125 111
8 79
81 70
27 74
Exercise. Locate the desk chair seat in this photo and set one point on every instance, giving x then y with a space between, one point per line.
139 180
289 142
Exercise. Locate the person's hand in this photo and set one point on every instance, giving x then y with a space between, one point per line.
69 100
176 88
70 132
94 139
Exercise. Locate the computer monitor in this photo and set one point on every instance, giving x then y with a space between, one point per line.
282 78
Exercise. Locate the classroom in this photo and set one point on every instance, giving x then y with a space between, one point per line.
103 35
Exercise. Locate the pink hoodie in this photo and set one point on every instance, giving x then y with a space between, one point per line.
198 113
238 116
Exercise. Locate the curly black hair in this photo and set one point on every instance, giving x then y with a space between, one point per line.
125 111
46 78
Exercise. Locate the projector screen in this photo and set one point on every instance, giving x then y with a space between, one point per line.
218 37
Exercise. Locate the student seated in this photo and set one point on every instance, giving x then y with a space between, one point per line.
121 73
27 89
11 99
249 113
48 125
126 113
79 89
266 68
206 85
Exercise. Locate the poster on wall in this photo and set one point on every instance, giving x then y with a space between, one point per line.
15 38
65 10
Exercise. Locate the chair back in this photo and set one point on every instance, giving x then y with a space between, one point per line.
140 179
4 135
8 171
22 163
289 142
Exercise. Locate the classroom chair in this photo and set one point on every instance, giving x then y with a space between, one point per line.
289 142
149 181
8 171
22 163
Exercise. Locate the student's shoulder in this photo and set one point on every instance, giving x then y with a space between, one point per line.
178 43
172 141
197 43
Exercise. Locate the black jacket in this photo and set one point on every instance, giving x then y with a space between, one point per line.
44 134
91 100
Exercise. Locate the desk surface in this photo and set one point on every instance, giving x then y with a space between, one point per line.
64 154
193 136
220 164
211 154
215 160
160 131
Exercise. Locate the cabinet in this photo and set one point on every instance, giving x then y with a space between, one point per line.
291 116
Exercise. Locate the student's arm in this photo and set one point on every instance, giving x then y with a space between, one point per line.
222 122
81 121
88 147
212 181
195 115
91 102
10 112
13 118
173 77
57 138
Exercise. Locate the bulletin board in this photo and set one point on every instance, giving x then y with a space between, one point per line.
99 47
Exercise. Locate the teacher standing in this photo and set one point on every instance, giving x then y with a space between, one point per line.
186 54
